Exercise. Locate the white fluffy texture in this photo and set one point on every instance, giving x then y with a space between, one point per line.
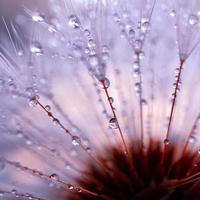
41 53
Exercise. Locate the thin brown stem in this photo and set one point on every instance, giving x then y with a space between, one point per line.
115 116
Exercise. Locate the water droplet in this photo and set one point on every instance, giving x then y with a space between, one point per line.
198 151
116 17
55 120
76 140
86 32
172 13
29 142
93 60
13 191
54 177
19 134
12 87
36 48
20 52
138 44
67 166
47 108
192 139
136 65
141 55
29 91
78 189
74 21
144 102
70 186
33 102
91 44
1 194
137 87
104 83
193 20
166 141
105 56
145 26
37 17
113 124
88 149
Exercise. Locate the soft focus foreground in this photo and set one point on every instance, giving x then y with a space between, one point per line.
80 78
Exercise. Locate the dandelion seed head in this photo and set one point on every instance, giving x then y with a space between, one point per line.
99 100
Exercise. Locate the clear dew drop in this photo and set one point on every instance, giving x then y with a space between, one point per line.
33 102
198 151
78 189
138 44
91 44
172 13
104 83
136 65
70 186
113 124
37 17
29 142
192 139
13 191
137 87
67 166
29 91
19 134
76 140
193 19
93 60
36 48
166 141
47 108
54 177
73 22
145 26
141 55
116 17
55 120
144 102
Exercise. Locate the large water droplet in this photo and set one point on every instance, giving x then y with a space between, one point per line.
37 17
33 102
70 186
76 140
54 177
91 44
172 13
47 108
36 48
193 19
104 83
113 124
166 141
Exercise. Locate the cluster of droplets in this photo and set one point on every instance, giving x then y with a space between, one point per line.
135 35
93 56
18 195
